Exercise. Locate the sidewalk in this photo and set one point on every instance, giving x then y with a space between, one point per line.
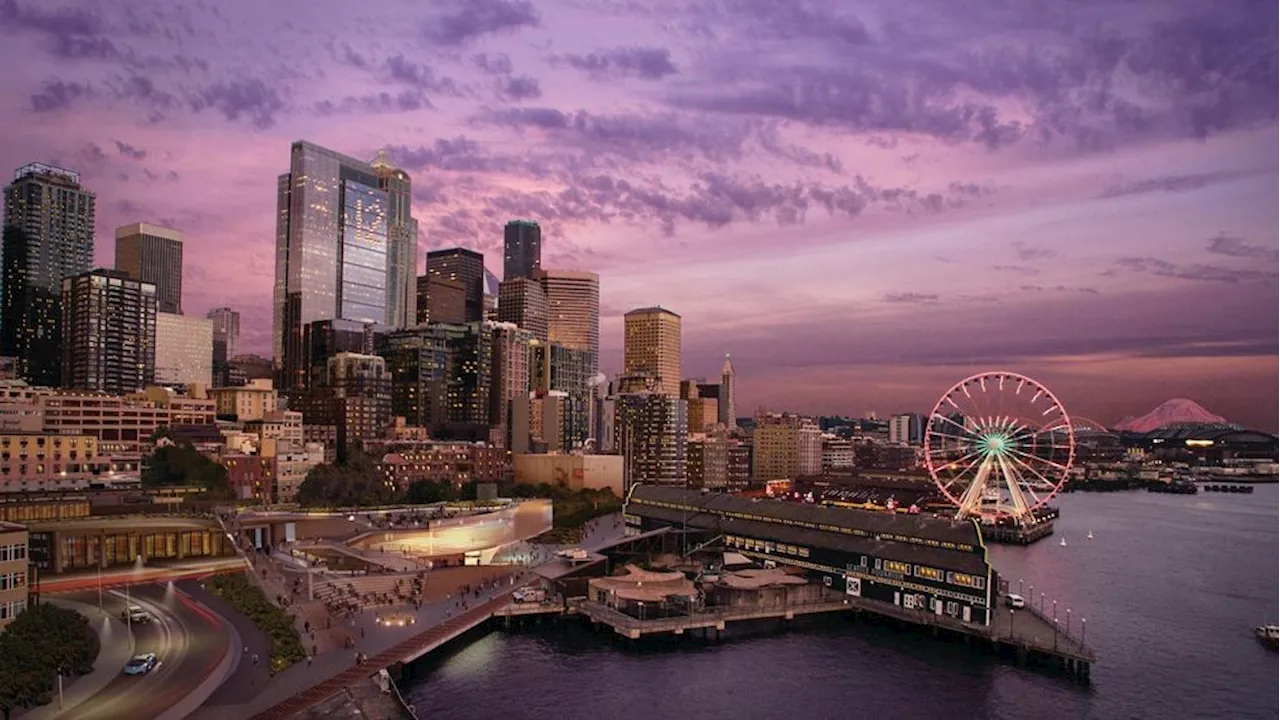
116 649
371 638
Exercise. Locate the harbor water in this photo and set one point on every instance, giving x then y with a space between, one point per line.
1169 588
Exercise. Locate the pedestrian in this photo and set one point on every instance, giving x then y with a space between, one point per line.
308 661
255 659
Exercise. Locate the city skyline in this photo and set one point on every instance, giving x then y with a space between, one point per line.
942 224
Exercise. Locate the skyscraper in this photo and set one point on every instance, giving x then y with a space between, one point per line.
464 266
523 301
339 251
573 310
651 347
727 410
521 249
402 243
184 350
441 300
108 332
153 254
226 329
48 235
651 431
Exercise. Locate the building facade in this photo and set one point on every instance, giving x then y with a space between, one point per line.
785 446
184 350
523 301
48 235
108 332
226 343
521 250
402 242
462 266
40 461
650 431
251 401
338 253
651 346
153 254
13 572
441 300
725 407
573 311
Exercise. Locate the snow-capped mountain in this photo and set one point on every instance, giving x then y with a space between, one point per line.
1178 411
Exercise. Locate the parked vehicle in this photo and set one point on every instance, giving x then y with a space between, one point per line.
135 614
529 595
141 664
1015 601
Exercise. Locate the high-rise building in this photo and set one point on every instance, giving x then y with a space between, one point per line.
226 343
651 346
419 360
573 310
523 301
441 300
325 339
153 254
108 332
338 249
521 249
726 409
906 429
510 377
184 350
651 430
48 235
785 446
464 266
402 242
837 452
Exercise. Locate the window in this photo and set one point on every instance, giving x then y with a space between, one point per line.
894 566
929 573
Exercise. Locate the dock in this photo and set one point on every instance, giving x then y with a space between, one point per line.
634 628
1017 534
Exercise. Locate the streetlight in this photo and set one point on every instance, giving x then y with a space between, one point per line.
1055 610
1010 622
1082 632
1042 603
1019 586
1068 622
1055 634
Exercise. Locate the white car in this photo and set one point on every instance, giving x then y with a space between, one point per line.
1015 601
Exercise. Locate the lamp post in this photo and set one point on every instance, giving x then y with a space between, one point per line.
1042 603
1055 634
1019 586
1082 626
1010 622
1068 622
1055 610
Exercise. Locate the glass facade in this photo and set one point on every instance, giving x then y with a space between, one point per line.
86 551
364 253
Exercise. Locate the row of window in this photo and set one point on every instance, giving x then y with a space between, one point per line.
10 581
765 546
12 609
802 523
10 553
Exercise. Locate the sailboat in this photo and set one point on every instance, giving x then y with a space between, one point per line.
1063 543
1089 536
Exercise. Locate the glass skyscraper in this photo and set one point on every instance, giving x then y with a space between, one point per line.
521 249
341 230
48 235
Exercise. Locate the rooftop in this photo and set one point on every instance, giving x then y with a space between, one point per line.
651 310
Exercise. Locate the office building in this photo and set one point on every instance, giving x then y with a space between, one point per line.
785 446
573 310
108 332
327 338
650 431
419 360
441 300
153 254
340 226
226 343
521 249
651 347
837 452
184 350
402 242
726 409
906 429
14 564
523 301
510 377
251 401
48 235
463 266
707 460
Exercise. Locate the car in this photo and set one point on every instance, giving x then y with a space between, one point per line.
141 664
135 614
1015 601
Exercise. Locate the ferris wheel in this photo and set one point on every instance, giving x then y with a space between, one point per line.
999 446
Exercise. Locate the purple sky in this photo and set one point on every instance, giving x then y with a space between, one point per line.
862 201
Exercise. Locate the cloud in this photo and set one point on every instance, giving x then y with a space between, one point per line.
1030 253
423 77
519 87
1233 246
493 63
911 298
646 63
1199 272
375 103
1169 183
58 95
1021 269
247 98
130 151
462 21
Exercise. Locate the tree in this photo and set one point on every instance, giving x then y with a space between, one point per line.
41 642
183 464
352 482
426 492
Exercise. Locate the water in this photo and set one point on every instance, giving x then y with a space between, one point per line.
1170 589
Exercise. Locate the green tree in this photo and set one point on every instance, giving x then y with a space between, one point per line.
425 492
355 481
39 643
183 464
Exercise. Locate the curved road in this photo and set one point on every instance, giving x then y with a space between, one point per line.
189 641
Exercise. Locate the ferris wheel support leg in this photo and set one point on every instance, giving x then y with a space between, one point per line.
1012 482
971 501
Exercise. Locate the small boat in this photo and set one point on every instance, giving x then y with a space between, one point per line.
1268 635
1089 536
1063 543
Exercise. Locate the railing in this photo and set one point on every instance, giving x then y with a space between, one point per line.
716 615
1063 630
405 707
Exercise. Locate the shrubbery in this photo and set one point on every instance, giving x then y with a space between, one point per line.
249 600
37 644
